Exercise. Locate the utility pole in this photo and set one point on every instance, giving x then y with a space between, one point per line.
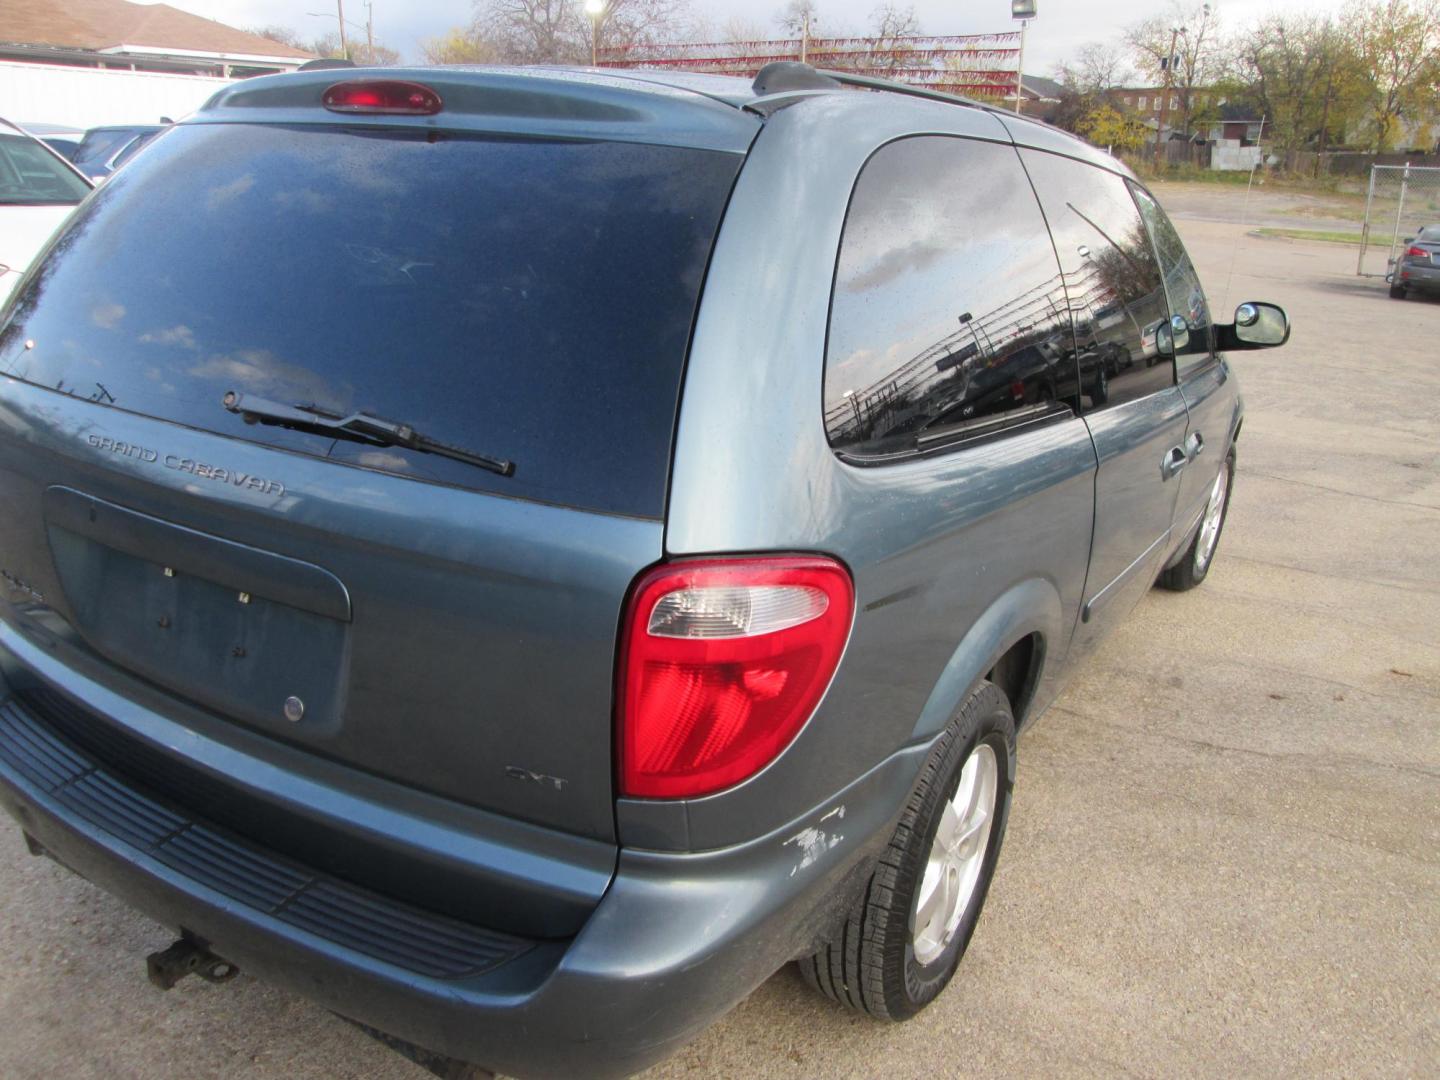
1169 65
805 36
370 31
340 18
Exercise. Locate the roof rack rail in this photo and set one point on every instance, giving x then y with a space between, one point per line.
871 82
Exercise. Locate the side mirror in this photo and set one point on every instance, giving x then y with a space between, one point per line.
1257 326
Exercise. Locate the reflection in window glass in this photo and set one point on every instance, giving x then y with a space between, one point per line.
526 298
31 176
1182 285
1113 282
949 317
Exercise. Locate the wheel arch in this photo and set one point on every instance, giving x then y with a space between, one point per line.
1015 639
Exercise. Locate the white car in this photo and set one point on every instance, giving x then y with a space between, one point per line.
38 190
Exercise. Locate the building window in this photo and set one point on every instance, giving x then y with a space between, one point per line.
1174 102
1142 101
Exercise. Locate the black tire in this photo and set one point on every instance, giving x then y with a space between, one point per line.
1397 292
1189 572
870 964
1100 388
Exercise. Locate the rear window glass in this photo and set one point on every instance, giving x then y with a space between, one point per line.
99 144
32 176
524 299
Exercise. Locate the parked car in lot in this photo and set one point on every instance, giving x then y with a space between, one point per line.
101 150
59 137
38 190
519 555
1417 268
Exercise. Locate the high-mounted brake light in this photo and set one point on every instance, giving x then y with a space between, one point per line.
722 662
389 97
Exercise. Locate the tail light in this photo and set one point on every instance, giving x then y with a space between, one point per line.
390 97
722 662
1417 253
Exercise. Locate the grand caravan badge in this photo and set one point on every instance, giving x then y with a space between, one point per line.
248 481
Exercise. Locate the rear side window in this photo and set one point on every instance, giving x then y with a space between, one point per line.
99 144
520 298
31 176
1113 281
948 320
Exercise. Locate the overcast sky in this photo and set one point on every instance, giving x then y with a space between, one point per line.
1062 25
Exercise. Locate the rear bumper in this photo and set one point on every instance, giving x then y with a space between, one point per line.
674 943
1420 277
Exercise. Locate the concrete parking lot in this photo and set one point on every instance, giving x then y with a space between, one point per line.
1224 852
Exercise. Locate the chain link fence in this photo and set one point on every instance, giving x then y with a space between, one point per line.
1402 199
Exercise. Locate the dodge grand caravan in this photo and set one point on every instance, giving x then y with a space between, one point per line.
518 556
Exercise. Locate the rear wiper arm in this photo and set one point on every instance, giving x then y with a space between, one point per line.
359 425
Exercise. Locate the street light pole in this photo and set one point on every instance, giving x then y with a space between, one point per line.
1024 11
596 10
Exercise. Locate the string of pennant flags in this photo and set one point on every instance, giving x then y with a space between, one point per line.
957 63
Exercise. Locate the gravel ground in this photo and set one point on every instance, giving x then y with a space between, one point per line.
1224 853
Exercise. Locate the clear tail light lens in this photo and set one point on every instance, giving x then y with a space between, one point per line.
722 663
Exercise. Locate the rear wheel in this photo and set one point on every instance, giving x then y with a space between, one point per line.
900 945
1100 388
1195 565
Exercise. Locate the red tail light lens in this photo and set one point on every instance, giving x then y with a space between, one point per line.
1417 251
387 96
722 662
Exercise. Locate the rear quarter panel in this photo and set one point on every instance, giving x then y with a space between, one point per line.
955 556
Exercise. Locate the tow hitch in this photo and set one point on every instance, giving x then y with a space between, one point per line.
187 957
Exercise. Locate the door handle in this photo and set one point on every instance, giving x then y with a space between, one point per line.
1194 445
1175 460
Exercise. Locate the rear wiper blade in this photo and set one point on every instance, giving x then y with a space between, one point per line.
361 426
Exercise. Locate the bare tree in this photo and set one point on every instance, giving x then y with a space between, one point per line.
737 28
558 31
796 14
1095 68
630 23
361 51
534 31
890 20
1197 59
282 34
